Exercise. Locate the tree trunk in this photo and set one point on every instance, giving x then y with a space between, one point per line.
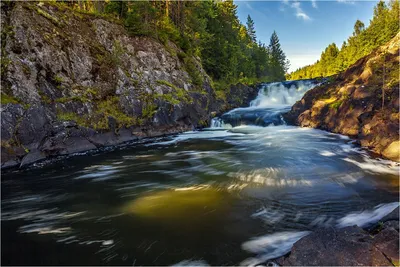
383 81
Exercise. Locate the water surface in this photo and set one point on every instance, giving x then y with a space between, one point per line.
240 192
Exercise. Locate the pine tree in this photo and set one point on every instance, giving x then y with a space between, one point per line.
250 29
383 26
278 62
358 27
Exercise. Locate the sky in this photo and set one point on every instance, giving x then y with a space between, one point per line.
305 28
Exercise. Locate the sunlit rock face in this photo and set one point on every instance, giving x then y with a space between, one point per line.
353 103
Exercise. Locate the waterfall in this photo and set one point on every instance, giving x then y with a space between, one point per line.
219 123
266 109
281 93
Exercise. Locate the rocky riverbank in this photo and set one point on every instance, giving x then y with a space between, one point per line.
362 102
348 246
73 82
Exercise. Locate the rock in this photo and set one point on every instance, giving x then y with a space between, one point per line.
78 144
76 82
10 115
352 105
392 216
392 151
32 157
34 126
391 224
387 242
349 246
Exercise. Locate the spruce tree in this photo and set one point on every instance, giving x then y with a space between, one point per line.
358 27
279 63
250 29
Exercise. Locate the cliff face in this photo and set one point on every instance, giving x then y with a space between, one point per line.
73 82
352 104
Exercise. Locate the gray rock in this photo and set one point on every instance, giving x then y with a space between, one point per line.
34 126
10 115
349 246
31 157
387 242
394 215
79 74
78 144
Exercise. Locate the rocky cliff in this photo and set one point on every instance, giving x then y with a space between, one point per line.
362 102
74 82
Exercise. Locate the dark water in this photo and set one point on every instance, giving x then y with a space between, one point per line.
197 198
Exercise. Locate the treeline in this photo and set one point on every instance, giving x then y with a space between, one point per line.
383 27
210 30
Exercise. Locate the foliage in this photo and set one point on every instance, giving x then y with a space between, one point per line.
279 63
210 30
383 27
250 29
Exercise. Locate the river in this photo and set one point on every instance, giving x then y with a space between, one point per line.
240 192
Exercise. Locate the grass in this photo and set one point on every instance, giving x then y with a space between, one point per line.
221 95
58 79
109 107
70 116
7 99
175 97
48 16
336 104
148 111
100 117
72 98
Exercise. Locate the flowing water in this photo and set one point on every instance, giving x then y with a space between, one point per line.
240 192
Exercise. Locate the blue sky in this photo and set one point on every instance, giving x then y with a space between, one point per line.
305 28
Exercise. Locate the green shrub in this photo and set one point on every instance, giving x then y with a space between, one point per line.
194 73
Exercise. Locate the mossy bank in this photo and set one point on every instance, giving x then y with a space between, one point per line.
73 82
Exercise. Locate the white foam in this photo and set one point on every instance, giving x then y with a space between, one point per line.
192 263
271 246
326 153
376 166
364 218
277 95
269 216
41 229
195 135
269 177
217 123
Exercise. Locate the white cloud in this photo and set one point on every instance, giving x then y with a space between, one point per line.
314 3
303 16
299 11
351 2
249 6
